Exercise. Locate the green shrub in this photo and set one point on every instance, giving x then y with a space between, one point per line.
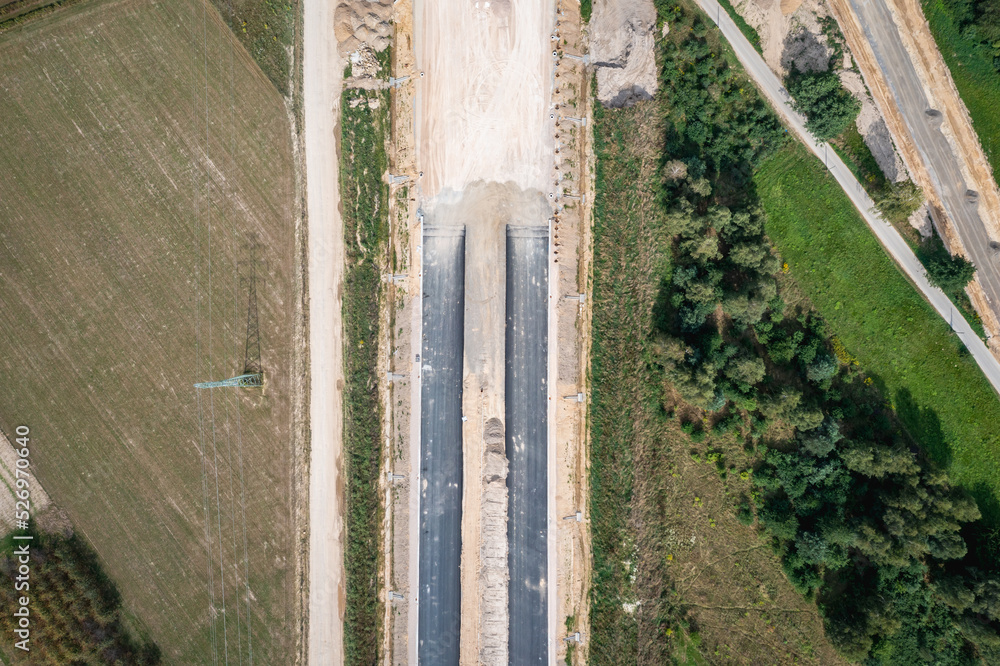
951 273
828 107
744 512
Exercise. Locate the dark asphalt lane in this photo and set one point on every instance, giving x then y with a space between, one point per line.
439 601
527 442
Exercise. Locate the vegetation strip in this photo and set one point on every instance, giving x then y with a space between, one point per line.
267 29
861 520
75 610
364 131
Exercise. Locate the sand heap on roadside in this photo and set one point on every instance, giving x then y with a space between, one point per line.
493 573
622 42
358 22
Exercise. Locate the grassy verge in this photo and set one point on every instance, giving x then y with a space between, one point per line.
365 202
627 262
747 29
978 82
938 391
267 30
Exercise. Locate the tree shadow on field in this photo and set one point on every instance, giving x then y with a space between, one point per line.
924 426
983 536
664 311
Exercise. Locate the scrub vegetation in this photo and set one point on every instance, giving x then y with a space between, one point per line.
364 127
267 29
75 614
16 12
828 107
704 343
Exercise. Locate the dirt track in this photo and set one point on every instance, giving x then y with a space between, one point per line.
321 92
956 127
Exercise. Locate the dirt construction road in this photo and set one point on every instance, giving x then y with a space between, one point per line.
940 136
321 93
887 235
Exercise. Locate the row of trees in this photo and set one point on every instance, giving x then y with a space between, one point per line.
75 609
860 519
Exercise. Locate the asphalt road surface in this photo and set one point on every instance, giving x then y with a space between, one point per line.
887 235
527 442
439 601
937 153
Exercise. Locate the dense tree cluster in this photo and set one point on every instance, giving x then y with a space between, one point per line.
979 20
75 610
829 108
860 519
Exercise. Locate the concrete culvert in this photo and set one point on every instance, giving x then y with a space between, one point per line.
971 196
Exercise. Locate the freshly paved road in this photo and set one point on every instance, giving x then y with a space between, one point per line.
322 72
527 442
441 358
886 234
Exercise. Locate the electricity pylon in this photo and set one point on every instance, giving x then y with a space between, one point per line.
252 375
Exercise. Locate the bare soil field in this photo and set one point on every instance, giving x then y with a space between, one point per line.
144 154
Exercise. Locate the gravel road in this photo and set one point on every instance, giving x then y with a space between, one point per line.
890 239
321 94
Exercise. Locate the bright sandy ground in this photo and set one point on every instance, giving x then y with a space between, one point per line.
483 102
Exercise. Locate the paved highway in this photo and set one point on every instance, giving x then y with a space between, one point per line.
887 235
441 358
527 442
937 153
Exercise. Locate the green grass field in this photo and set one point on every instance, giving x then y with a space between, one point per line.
143 150
977 81
939 393
267 29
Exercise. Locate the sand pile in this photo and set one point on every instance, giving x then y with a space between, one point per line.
363 22
493 574
622 46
